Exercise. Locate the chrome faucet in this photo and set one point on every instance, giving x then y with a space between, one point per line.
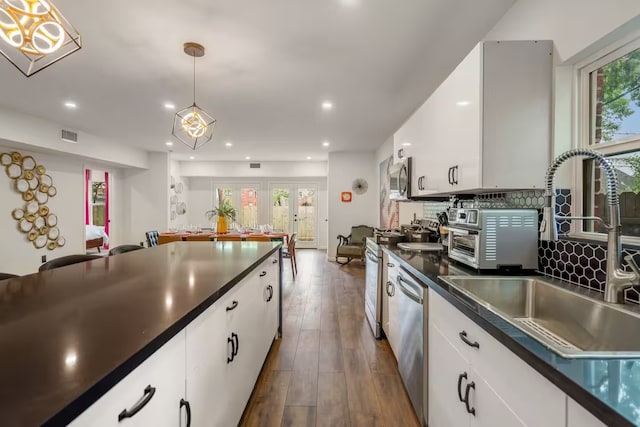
617 279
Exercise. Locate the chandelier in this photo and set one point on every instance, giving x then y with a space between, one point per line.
34 34
193 126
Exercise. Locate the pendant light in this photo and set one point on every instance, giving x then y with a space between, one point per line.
34 34
193 126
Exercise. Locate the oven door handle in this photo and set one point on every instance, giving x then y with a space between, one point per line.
407 291
461 231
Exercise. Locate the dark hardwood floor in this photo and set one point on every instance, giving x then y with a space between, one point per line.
328 369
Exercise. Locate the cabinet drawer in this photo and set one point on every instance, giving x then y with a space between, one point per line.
164 372
452 322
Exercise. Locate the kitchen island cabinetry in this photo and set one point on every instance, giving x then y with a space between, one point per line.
174 335
487 126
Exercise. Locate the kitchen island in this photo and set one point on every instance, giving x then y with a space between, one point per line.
581 392
75 338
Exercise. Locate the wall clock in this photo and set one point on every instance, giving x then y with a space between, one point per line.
360 186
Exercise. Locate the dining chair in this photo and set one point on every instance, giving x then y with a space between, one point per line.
152 238
67 260
162 239
198 238
124 249
258 239
5 276
229 238
290 252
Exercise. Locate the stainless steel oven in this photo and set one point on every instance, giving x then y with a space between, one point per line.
373 287
489 239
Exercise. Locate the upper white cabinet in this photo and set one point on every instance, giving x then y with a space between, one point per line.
487 126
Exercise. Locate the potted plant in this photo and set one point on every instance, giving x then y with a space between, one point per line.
224 211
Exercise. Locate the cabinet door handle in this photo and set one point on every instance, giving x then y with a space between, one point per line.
264 273
393 290
450 176
233 305
390 265
187 407
470 409
233 349
128 413
270 289
275 261
237 347
454 175
463 337
462 376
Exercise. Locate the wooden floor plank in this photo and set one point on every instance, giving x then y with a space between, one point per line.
396 411
333 407
299 416
267 407
303 388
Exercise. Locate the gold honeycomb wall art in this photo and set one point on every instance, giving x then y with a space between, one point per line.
34 218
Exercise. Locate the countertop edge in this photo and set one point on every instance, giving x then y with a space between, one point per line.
70 412
588 401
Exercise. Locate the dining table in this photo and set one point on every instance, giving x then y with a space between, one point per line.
167 236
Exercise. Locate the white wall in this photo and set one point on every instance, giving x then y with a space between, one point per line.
344 167
19 256
17 129
201 198
241 169
146 198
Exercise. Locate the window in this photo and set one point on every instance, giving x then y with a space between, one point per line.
611 125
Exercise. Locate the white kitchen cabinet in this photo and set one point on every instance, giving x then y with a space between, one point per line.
158 381
446 365
487 126
577 416
503 382
227 345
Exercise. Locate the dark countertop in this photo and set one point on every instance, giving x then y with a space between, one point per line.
608 388
68 335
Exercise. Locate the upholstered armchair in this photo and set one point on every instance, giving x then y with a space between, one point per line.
353 245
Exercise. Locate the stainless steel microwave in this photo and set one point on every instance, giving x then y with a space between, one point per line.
400 177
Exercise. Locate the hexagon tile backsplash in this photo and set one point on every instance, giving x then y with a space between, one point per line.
579 262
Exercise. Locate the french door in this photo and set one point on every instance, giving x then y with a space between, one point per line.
294 209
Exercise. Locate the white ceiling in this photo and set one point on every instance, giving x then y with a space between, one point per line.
268 67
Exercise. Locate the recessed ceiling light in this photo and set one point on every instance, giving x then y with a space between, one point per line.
248 158
169 106
327 105
228 144
463 103
326 144
191 158
406 144
168 143
70 104
308 157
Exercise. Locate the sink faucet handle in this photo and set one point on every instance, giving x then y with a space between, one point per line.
634 266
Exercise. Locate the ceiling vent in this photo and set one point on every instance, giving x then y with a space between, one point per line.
69 136
254 165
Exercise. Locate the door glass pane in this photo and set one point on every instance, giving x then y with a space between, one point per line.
306 214
249 203
280 209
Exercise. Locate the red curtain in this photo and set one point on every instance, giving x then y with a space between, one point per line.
106 206
87 179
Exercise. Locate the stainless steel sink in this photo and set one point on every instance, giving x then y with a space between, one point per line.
568 323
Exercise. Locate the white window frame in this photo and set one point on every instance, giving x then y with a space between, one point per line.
582 132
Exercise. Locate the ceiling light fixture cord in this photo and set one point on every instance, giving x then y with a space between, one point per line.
194 80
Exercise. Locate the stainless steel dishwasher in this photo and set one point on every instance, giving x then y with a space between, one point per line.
412 326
